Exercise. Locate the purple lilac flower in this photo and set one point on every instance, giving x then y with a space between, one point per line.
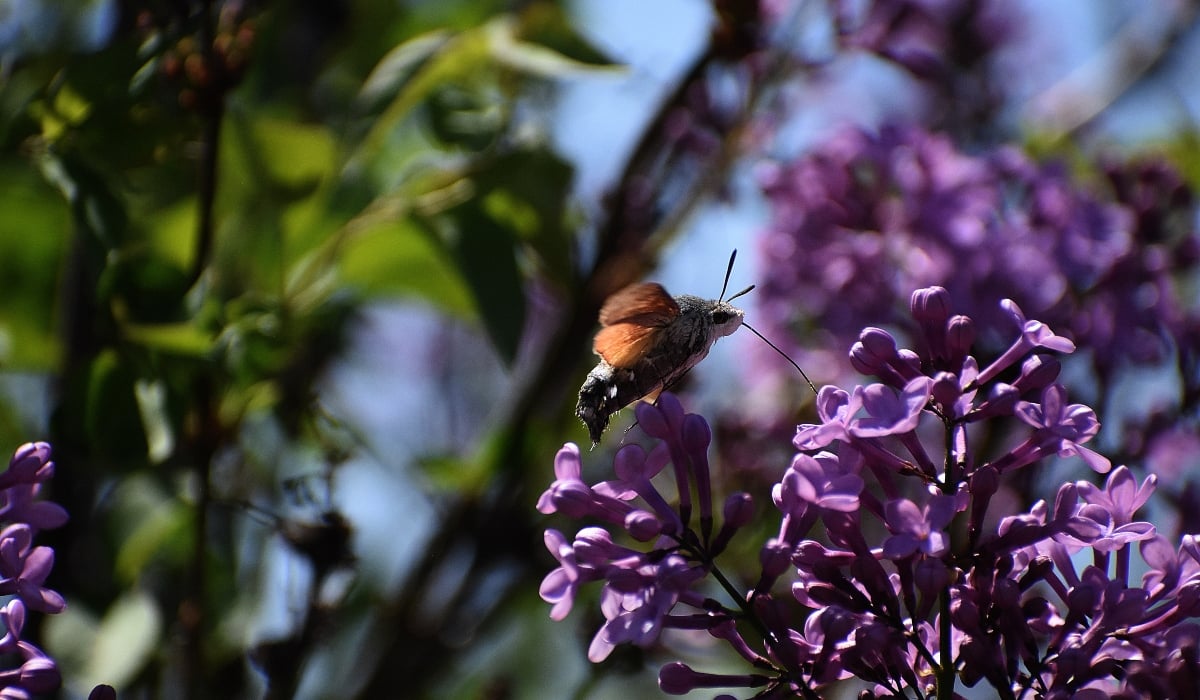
24 568
640 589
922 578
924 37
866 217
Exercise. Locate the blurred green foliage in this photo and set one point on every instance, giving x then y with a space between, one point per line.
195 214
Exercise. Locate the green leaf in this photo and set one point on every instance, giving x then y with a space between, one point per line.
459 58
464 118
547 24
113 426
485 251
508 48
70 637
147 287
156 422
151 525
128 636
398 257
399 65
95 208
34 233
183 339
290 154
63 111
417 68
530 191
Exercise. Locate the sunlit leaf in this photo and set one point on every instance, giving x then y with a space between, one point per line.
400 258
398 65
152 407
152 526
35 230
127 638
94 206
69 637
529 190
507 47
546 24
290 153
64 110
111 414
485 251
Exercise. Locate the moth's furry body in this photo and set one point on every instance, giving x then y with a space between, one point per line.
683 333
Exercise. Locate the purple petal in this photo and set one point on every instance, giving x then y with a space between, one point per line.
567 464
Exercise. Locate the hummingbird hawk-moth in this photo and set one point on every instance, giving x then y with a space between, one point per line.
648 341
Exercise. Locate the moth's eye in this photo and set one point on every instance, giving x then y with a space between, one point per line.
720 316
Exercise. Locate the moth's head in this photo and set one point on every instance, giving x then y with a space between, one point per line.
718 318
726 318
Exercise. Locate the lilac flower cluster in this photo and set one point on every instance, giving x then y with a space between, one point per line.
952 48
928 573
868 217
24 568
931 40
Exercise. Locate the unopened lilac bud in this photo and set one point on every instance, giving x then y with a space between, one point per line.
863 361
930 305
984 482
661 419
739 509
1037 570
826 595
960 336
1002 402
1082 600
879 343
676 678
629 463
29 464
40 675
652 421
1189 599
775 558
964 613
573 499
643 525
696 434
1037 373
945 389
930 308
593 544
931 577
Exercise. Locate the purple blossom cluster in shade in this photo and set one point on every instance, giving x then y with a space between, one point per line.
869 216
933 40
922 579
24 568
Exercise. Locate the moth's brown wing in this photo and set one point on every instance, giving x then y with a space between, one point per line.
623 344
632 320
646 304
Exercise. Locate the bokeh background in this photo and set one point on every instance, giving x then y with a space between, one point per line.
302 293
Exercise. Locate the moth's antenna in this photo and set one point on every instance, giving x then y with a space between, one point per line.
785 356
747 290
728 272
